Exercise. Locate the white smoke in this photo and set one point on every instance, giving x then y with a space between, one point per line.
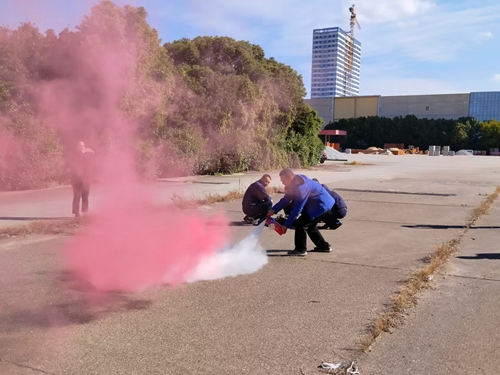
244 257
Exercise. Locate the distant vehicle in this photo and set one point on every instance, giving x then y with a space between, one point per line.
323 157
464 152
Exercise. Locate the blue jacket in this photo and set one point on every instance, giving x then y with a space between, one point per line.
309 196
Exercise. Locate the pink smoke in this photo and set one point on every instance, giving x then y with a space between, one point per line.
126 245
129 251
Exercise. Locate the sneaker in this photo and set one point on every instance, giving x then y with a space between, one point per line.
256 222
281 219
248 219
337 224
300 253
323 250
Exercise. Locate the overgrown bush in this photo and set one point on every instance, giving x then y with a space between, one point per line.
208 105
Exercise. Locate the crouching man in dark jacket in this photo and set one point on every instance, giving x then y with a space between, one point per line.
337 212
256 201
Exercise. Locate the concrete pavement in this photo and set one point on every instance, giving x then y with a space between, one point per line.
454 328
291 315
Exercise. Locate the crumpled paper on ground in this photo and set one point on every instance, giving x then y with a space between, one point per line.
352 370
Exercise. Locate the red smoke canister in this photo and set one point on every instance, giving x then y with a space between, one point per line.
273 224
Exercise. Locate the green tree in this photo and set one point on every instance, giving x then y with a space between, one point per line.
490 134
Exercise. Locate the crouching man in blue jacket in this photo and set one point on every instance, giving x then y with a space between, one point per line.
311 201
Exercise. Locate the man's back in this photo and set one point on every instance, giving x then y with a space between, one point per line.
339 202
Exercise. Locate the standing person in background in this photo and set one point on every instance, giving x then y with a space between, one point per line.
256 201
311 201
337 212
80 177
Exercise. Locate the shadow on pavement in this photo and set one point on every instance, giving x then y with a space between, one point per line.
276 253
81 305
431 226
28 218
396 192
491 256
73 312
239 224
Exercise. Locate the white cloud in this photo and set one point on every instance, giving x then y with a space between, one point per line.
496 77
485 34
383 11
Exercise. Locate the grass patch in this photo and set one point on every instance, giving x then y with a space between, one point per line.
483 208
191 202
355 162
70 225
184 202
406 296
275 189
61 226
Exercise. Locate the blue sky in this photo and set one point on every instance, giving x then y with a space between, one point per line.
409 47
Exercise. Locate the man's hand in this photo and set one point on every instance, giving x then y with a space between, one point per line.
284 229
270 213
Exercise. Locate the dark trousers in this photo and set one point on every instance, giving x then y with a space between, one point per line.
81 190
331 217
258 210
305 226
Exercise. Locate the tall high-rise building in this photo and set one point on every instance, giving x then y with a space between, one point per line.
335 71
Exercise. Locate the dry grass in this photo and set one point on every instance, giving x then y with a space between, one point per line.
184 202
355 162
275 189
191 202
483 208
406 296
60 226
69 226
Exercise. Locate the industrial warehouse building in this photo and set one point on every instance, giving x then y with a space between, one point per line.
483 106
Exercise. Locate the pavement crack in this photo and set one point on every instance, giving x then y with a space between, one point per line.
382 221
408 203
25 366
469 277
407 294
360 265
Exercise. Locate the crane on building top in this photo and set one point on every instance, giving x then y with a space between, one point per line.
350 53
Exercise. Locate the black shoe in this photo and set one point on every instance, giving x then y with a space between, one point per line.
337 224
323 250
248 219
257 221
299 253
280 219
